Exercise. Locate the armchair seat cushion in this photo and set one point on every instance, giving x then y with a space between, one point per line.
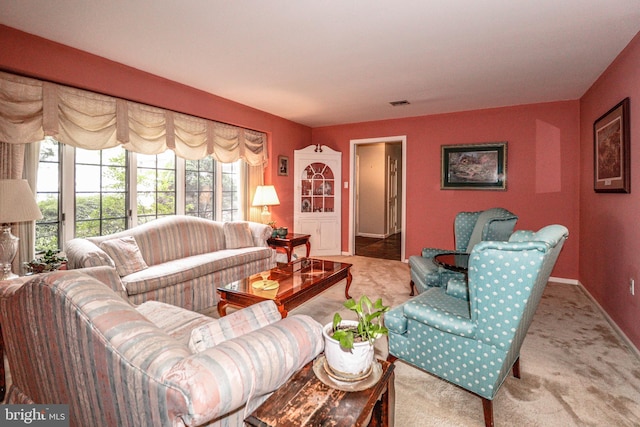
438 310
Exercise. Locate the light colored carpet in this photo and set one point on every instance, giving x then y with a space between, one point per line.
576 370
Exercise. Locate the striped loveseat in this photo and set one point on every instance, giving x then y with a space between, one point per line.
178 259
70 339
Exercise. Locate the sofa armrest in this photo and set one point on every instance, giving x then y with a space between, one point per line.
260 233
82 253
245 369
109 276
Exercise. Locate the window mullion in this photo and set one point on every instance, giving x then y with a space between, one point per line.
133 189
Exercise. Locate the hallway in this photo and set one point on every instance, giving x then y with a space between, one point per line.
371 247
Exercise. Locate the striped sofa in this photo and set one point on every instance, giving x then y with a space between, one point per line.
178 259
70 339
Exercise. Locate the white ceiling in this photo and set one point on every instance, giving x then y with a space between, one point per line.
339 61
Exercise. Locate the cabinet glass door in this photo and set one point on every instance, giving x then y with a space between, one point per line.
318 188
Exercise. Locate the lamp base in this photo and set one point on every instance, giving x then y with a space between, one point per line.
8 250
265 216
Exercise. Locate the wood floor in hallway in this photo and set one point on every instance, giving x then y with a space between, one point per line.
372 247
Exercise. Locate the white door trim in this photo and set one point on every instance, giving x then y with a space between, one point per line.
352 178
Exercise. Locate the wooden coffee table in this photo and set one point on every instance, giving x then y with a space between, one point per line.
298 282
304 400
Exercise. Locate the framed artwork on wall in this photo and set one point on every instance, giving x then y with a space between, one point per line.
283 165
474 166
611 157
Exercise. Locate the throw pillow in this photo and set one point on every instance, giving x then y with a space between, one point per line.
237 235
234 325
125 254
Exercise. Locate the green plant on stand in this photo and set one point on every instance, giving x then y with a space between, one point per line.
48 261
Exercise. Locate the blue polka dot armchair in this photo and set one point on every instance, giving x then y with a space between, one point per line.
475 343
469 229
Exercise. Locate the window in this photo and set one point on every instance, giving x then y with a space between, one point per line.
230 209
156 189
101 191
199 188
106 191
48 196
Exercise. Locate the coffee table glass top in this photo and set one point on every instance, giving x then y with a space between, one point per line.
292 278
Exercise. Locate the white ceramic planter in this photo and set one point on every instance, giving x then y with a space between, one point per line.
347 363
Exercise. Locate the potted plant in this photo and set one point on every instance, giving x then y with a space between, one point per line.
48 261
349 344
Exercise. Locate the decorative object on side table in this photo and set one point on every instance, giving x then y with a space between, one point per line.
17 204
48 261
612 157
349 344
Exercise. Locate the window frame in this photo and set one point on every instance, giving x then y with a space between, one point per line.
67 195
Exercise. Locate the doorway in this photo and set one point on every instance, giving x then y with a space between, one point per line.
377 202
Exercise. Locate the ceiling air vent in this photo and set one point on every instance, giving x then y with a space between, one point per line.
399 103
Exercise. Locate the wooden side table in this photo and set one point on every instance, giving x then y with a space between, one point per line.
290 241
304 400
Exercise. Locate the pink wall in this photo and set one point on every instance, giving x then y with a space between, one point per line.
541 190
610 238
37 57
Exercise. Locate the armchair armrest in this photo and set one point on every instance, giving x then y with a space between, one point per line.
245 369
458 288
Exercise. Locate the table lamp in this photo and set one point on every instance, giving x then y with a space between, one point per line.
17 204
265 196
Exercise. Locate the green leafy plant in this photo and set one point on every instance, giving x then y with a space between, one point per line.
48 261
370 326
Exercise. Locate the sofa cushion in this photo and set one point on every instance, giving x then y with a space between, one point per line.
234 325
237 235
185 269
125 253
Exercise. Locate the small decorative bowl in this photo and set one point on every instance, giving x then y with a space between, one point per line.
283 231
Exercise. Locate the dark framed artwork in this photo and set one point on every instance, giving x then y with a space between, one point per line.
611 158
474 166
283 165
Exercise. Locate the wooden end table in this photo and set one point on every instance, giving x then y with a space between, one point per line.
290 241
304 400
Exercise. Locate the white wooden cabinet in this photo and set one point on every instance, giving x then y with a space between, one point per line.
317 199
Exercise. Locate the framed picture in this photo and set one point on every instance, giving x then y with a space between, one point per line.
611 155
283 165
474 166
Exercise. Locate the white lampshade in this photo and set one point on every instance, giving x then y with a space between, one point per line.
17 204
265 196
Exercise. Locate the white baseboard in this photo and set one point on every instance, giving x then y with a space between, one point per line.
563 280
372 235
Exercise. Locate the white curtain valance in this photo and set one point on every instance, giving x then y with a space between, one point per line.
31 109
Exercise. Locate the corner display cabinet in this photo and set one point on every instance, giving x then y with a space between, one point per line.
317 202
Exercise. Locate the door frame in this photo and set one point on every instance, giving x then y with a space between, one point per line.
352 194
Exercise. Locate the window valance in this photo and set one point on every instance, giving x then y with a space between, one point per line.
31 109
